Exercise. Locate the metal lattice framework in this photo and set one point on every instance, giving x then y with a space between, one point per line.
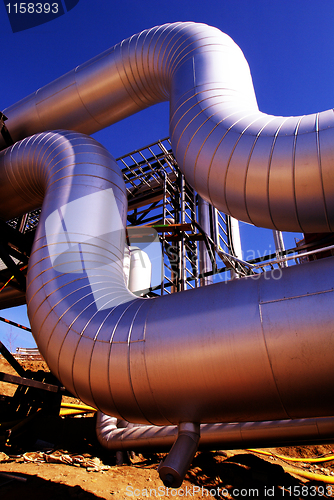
159 198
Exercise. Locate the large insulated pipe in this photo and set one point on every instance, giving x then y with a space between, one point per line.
227 436
254 349
271 171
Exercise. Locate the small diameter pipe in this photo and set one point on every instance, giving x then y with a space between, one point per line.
204 221
227 436
327 458
191 437
176 464
310 475
279 245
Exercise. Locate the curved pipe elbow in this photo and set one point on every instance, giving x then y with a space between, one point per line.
103 342
129 437
106 428
270 171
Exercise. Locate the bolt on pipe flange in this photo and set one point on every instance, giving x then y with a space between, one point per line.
176 464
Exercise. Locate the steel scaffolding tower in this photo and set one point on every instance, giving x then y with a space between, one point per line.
192 233
195 238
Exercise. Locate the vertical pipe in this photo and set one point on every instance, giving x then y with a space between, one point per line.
235 242
215 227
279 246
23 223
182 270
164 217
235 238
175 466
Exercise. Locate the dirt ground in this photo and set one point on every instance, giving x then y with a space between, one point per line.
54 458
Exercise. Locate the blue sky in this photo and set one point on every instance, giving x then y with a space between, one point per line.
289 46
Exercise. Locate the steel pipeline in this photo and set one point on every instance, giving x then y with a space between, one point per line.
228 436
244 350
272 171
238 351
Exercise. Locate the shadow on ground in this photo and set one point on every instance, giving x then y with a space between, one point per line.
41 489
248 476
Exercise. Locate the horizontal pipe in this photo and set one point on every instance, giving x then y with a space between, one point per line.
227 436
274 172
297 255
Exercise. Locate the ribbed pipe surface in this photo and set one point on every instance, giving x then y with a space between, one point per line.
242 351
228 436
274 172
245 350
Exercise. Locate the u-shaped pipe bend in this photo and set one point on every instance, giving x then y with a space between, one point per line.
274 172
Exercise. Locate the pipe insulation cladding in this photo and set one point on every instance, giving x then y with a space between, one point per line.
258 348
254 349
229 436
274 172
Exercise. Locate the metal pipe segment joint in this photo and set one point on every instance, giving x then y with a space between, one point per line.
175 465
